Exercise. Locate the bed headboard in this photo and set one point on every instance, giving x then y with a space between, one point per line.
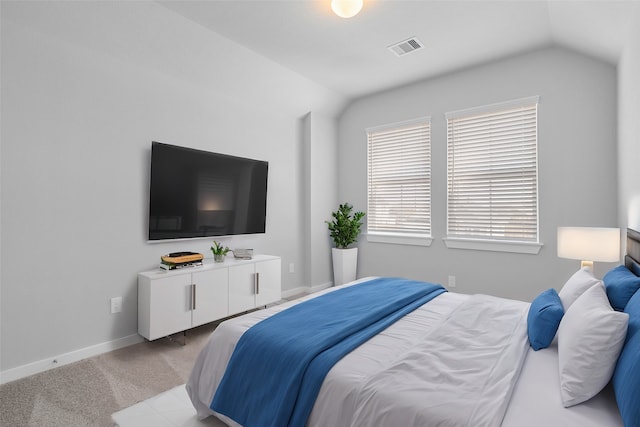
632 258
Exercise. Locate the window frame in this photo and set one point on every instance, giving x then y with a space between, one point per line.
408 237
476 242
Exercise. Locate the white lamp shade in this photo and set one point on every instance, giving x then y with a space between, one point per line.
346 8
589 243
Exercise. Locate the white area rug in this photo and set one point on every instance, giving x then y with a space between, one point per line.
169 409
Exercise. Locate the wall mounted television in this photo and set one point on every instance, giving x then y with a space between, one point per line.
196 193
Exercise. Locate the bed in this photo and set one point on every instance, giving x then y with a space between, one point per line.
455 360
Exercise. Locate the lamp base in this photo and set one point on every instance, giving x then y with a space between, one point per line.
587 264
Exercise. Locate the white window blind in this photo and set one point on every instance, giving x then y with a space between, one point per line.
399 179
492 172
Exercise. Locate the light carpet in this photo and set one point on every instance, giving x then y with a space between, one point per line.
87 392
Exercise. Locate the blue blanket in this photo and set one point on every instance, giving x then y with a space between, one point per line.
278 366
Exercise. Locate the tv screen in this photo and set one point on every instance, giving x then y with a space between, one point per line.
196 193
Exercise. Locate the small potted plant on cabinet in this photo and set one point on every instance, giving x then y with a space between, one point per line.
219 251
344 230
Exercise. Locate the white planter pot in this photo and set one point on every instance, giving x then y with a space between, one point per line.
345 262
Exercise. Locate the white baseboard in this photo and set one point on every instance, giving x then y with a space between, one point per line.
300 290
305 290
320 287
67 358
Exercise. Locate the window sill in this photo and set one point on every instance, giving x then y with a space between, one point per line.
400 239
492 245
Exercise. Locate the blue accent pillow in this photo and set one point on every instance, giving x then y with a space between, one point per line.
543 319
626 377
621 284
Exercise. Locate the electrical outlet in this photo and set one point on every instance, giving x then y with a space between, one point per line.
291 269
452 281
116 305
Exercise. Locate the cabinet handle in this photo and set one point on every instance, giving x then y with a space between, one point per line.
257 283
193 297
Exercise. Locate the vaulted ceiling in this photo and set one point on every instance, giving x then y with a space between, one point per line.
351 56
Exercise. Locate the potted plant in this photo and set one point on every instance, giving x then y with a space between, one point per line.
219 251
344 230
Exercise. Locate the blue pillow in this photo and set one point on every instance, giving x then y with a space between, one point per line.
543 319
621 284
626 377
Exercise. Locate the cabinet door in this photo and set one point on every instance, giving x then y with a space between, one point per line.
211 298
169 305
268 288
241 288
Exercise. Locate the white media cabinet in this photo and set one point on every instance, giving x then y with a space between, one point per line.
177 300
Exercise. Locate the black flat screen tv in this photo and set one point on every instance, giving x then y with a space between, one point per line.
196 193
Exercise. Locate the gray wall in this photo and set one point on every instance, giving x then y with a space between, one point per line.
319 195
577 166
629 128
86 87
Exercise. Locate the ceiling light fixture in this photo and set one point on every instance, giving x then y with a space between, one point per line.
346 8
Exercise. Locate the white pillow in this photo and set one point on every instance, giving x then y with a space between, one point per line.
590 338
581 280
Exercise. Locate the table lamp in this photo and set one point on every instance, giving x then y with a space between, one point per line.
589 244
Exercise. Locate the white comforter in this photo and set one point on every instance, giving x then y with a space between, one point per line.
453 362
461 373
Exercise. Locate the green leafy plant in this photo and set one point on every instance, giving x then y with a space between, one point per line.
218 249
344 228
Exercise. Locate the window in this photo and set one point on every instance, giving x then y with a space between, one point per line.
492 177
399 182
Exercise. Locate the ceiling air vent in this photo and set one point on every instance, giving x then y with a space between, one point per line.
406 46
